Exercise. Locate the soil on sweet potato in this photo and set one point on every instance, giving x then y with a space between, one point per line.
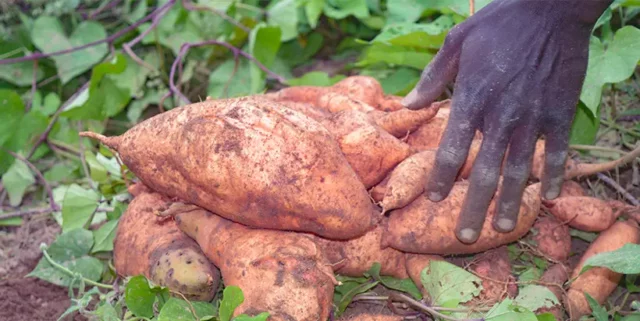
27 298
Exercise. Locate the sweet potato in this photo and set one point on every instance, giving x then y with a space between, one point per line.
494 268
554 278
391 103
363 88
402 122
355 257
336 102
552 238
537 167
407 180
377 192
283 273
429 227
598 282
371 151
583 212
428 135
252 161
571 188
157 249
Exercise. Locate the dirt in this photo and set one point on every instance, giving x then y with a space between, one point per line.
27 298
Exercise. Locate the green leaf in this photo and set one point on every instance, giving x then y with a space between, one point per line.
340 9
611 65
404 10
597 310
264 42
16 181
96 170
49 36
61 172
625 260
297 52
225 82
137 107
631 317
585 126
104 236
403 285
106 312
508 311
395 81
78 206
132 77
139 297
313 10
394 56
416 35
546 317
530 274
284 13
260 317
535 296
70 250
232 297
315 78
14 221
179 310
12 111
347 290
20 73
449 284
51 104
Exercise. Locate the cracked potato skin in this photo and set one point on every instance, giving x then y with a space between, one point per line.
156 248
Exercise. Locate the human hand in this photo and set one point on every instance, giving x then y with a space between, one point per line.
518 66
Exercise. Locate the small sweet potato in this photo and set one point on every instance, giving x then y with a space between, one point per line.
428 135
402 122
355 257
552 238
554 278
377 192
428 227
146 245
253 161
283 273
415 264
583 212
494 268
571 188
371 151
599 282
391 103
407 180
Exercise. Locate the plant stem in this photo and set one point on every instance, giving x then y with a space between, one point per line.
58 266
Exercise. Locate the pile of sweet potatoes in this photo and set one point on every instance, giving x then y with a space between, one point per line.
278 193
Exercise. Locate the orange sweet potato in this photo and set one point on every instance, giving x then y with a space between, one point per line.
146 245
583 212
554 278
552 238
355 257
599 282
571 188
415 264
537 167
402 122
252 161
377 192
283 273
428 227
407 180
494 268
371 151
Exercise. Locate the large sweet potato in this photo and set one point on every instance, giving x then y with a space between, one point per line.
156 248
428 227
252 161
583 212
599 282
283 273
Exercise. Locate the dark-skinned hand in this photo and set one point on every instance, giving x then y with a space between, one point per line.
518 67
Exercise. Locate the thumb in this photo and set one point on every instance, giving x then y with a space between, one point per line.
437 74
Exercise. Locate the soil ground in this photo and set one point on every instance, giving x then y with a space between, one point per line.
27 298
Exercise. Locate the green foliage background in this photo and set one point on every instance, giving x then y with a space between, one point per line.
104 89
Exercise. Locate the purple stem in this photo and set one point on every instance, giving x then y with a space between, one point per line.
109 39
127 46
186 46
99 10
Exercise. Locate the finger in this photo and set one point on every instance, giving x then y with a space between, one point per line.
515 175
555 155
454 144
440 72
483 183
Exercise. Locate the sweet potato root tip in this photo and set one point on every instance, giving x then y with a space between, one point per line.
429 227
599 282
552 238
111 142
585 213
579 170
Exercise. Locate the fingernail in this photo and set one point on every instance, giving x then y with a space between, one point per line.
505 224
468 235
409 99
435 196
552 193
